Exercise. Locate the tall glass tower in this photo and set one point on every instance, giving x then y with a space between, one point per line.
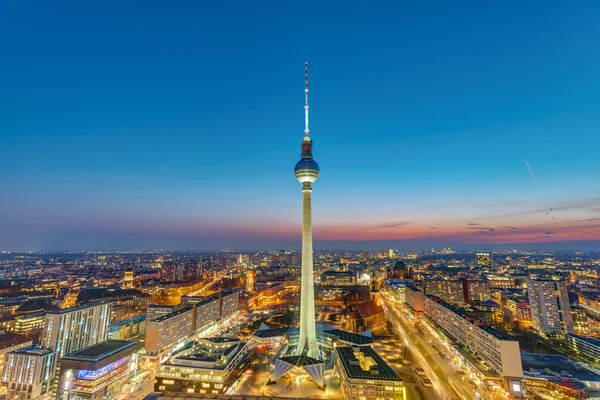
307 172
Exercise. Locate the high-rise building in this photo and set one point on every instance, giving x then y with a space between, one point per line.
168 333
28 372
192 271
169 272
307 171
391 253
127 279
71 329
550 309
32 369
476 290
450 290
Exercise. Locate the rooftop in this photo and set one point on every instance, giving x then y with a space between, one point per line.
173 314
349 337
590 340
76 308
378 370
221 339
102 350
34 350
555 366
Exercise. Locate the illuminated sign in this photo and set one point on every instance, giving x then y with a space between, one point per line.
90 375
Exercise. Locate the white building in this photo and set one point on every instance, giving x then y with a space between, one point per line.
550 309
71 329
167 333
207 314
29 371
230 303
497 351
414 298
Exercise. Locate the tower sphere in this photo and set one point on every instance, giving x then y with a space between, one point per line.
306 170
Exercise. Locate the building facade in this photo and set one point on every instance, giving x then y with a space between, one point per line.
168 333
211 367
97 372
363 375
28 372
498 352
550 309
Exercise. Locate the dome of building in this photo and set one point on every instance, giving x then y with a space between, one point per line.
400 266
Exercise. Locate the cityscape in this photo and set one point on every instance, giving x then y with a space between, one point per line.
132 273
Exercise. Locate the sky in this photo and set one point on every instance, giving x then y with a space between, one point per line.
147 125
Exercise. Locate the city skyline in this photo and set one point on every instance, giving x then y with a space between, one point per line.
118 140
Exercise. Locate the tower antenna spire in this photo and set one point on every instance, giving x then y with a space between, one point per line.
306 136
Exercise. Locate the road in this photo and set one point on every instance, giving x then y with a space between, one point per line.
446 383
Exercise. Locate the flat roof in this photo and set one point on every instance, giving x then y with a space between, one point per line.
101 350
353 369
171 315
221 339
35 350
590 340
275 332
554 366
349 337
76 308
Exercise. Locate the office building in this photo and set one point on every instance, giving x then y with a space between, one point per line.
71 329
207 314
97 372
338 278
523 315
414 298
581 324
500 353
11 342
450 290
170 272
230 304
155 311
167 334
29 324
476 290
587 347
364 375
128 329
212 367
28 372
550 309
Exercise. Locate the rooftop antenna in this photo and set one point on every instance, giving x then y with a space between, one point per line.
306 136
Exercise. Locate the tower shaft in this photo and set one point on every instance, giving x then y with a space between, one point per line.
308 332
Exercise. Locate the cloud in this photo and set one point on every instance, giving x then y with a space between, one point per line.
549 233
385 226
433 227
510 228
482 229
473 224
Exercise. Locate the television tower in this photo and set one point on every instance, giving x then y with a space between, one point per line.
307 172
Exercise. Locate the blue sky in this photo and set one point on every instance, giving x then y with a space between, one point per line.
146 125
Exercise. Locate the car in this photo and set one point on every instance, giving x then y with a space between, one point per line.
420 371
427 382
